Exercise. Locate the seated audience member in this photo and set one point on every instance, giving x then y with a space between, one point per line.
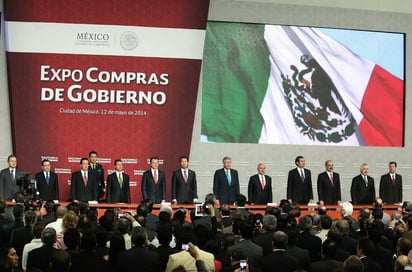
35 243
40 258
279 260
138 256
353 264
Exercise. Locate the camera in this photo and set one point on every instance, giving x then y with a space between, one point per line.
185 247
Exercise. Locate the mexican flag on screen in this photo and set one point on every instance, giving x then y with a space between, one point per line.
295 85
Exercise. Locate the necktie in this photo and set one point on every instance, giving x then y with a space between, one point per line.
85 179
366 181
120 180
302 176
262 182
12 175
47 178
229 180
185 175
155 175
393 180
331 178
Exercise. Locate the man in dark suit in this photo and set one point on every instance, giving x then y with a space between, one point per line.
279 260
362 189
390 187
226 183
47 182
154 183
8 179
329 186
260 187
184 184
307 240
118 189
84 185
138 256
40 258
299 188
97 170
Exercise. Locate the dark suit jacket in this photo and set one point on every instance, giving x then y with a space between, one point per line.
98 171
301 255
360 193
310 242
328 193
224 193
370 265
139 258
279 261
298 191
184 192
155 192
8 186
47 191
264 240
19 238
115 194
256 194
40 258
388 192
81 192
253 252
327 265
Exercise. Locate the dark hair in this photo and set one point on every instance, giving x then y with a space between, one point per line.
11 156
366 246
298 158
329 248
153 158
116 161
183 157
117 245
240 200
83 159
123 225
92 153
138 236
71 239
392 162
325 221
60 260
43 161
38 229
164 233
88 241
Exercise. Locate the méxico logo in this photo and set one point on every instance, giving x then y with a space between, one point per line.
315 103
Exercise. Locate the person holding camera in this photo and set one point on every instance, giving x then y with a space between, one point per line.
9 178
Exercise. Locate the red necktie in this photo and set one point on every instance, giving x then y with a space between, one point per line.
331 178
185 175
85 179
155 175
393 180
262 182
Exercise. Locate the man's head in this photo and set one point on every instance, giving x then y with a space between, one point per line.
280 240
46 165
154 162
300 161
240 200
364 169
184 162
353 264
365 247
138 236
305 223
261 168
269 222
392 167
118 165
227 162
12 161
84 164
93 157
48 236
329 166
347 209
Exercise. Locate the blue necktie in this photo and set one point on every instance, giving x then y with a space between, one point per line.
47 178
229 180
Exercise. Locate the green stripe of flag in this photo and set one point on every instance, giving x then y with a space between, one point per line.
235 76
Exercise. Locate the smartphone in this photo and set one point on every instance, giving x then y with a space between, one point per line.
121 215
243 265
185 247
199 210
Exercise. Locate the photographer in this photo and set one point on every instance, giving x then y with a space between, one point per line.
205 214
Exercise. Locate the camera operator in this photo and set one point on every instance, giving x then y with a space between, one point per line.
207 214
9 178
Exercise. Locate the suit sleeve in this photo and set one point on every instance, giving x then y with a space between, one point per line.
250 190
144 186
270 189
57 193
320 187
381 187
353 191
194 185
109 190
164 187
289 188
216 185
128 189
237 183
373 191
73 185
96 187
400 188
174 180
2 181
310 189
338 188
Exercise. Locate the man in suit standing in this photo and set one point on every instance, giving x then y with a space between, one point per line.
118 189
260 187
154 183
40 258
329 186
8 179
47 182
362 189
84 185
390 187
299 187
184 184
98 171
226 183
